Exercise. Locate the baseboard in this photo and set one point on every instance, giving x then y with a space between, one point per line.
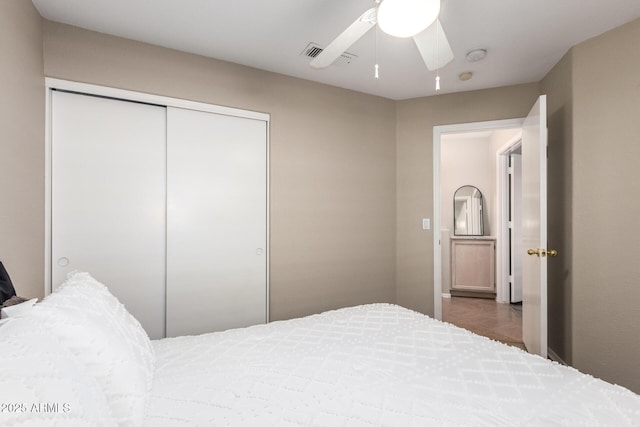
446 295
554 356
473 294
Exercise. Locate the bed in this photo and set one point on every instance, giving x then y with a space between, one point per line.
79 358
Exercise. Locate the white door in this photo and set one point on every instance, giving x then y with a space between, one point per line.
534 228
216 222
108 199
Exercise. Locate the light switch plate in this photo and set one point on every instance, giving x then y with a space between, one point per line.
426 223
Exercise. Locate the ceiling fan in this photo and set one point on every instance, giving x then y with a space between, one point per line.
399 18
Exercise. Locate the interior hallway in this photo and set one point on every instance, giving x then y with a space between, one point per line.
501 322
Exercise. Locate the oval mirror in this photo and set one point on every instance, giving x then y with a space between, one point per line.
467 212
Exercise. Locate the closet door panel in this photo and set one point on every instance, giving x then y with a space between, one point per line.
216 222
109 199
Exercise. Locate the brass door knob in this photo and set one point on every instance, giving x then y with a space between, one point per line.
542 252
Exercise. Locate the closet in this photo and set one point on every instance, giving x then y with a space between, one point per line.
165 205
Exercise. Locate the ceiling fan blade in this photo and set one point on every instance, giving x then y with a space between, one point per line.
434 46
348 37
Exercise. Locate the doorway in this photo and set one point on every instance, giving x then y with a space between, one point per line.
490 150
534 219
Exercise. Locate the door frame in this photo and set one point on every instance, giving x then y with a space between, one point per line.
52 84
438 132
502 241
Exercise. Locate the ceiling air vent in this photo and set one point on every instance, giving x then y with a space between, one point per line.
313 49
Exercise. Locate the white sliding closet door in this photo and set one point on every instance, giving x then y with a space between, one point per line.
109 199
216 222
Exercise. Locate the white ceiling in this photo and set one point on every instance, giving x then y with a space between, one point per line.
524 39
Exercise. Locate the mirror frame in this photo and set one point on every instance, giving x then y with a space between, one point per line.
455 231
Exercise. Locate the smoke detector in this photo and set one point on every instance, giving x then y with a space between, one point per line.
464 76
476 55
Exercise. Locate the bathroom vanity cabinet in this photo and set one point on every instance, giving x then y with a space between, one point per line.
473 264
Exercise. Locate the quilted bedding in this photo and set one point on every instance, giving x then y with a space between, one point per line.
79 358
372 365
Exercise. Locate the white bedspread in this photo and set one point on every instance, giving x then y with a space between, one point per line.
373 365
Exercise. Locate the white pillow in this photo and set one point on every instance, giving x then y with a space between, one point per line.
18 309
104 336
42 383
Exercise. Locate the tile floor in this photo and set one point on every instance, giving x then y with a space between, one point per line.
501 322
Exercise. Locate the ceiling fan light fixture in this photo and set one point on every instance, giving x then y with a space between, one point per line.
406 18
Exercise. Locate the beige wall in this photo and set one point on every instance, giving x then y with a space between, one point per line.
594 101
22 146
606 185
415 120
558 86
332 162
466 161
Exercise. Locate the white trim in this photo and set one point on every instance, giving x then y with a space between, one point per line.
268 273
554 356
446 295
502 208
502 239
52 83
438 131
112 92
47 193
437 234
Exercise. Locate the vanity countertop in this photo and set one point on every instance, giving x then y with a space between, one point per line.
473 238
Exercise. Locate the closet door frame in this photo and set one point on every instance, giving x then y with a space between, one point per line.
52 84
